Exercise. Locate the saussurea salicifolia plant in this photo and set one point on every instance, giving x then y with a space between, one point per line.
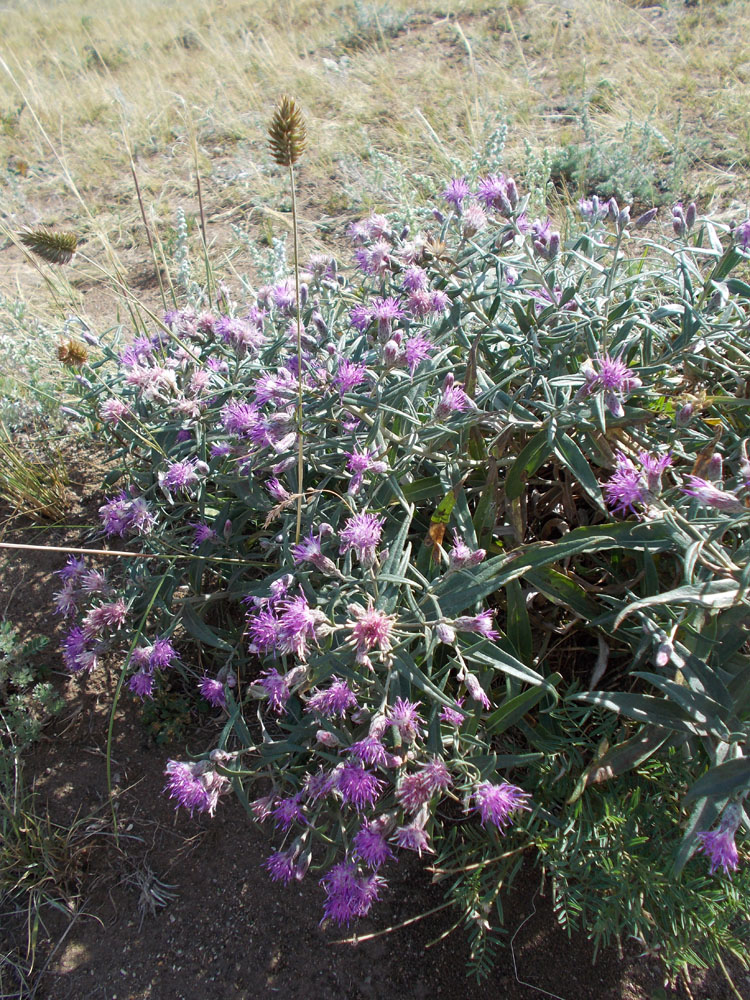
514 623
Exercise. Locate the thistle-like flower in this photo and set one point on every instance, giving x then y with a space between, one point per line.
287 133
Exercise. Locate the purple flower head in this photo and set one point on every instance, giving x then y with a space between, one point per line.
115 515
358 786
497 803
299 625
162 654
404 716
362 533
453 399
456 192
142 684
276 687
287 811
360 462
741 234
546 240
77 655
239 418
626 488
719 844
416 350
711 496
263 631
413 837
593 210
493 191
72 569
613 377
481 624
439 301
318 785
213 691
369 750
371 847
112 411
414 278
476 691
94 582
278 492
104 617
653 466
195 785
65 600
348 376
203 533
333 701
372 629
360 317
451 716
436 776
474 220
349 893
281 866
413 791
242 334
181 477
386 312
461 556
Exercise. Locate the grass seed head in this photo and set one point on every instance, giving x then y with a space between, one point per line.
287 133
54 247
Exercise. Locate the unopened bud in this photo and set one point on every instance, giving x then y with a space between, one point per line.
328 739
445 633
613 208
227 532
684 415
691 215
643 220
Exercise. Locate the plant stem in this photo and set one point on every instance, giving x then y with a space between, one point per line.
300 442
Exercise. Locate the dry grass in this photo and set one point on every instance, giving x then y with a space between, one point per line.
94 80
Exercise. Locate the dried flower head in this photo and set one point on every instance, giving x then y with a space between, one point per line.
72 353
287 133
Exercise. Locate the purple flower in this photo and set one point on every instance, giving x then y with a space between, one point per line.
653 466
213 691
626 488
474 221
161 655
195 785
496 803
263 631
362 533
238 417
105 616
436 776
112 411
318 785
371 846
451 716
122 515
281 866
461 556
287 811
413 837
348 376
719 844
386 312
372 629
334 700
299 625
414 278
453 399
65 599
593 210
456 192
360 317
476 691
180 477
76 654
203 533
277 491
72 569
493 191
413 791
349 893
404 716
416 350
742 234
369 750
546 241
710 495
142 684
276 687
613 377
358 786
481 624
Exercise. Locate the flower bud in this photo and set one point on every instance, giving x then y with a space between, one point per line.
613 208
684 415
445 633
643 220
328 739
227 530
691 215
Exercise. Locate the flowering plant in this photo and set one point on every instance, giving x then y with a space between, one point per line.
524 485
